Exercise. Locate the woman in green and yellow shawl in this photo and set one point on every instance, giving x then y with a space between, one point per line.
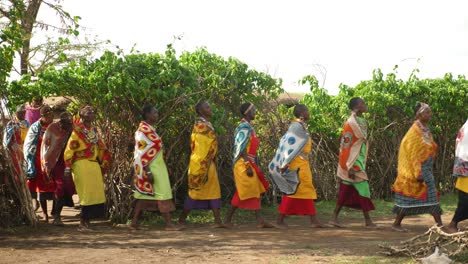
153 188
203 184
414 187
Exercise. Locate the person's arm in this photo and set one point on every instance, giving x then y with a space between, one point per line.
245 157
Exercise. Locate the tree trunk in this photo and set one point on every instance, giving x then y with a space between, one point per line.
27 23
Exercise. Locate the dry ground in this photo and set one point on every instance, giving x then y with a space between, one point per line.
203 244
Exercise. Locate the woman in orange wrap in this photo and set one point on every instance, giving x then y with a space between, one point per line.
414 187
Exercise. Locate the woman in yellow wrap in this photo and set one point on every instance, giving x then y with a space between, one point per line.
203 184
249 179
86 157
151 181
414 187
290 169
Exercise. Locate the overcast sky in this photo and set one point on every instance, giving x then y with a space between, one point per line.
290 39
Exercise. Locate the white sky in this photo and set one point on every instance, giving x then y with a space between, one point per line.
287 38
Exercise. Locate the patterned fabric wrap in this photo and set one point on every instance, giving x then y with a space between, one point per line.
291 145
414 206
204 147
353 137
53 145
416 147
82 145
148 146
460 167
32 114
30 148
241 138
15 132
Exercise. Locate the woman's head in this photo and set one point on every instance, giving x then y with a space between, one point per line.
248 110
357 105
65 121
37 101
302 112
149 113
47 115
423 112
87 113
20 112
203 109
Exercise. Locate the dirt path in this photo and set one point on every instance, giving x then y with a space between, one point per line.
204 244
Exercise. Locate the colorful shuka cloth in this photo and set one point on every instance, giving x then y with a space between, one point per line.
203 183
32 114
460 170
293 151
149 153
354 193
38 181
52 160
248 189
415 158
13 138
87 156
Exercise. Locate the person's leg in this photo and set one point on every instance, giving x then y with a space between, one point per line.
43 203
229 215
280 221
57 211
368 221
314 222
261 223
437 219
397 223
183 216
217 218
169 225
136 215
334 221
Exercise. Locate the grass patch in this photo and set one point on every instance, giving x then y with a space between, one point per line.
324 210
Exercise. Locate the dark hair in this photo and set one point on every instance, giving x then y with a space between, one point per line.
299 109
37 98
353 102
146 109
244 108
84 107
198 106
64 115
416 107
45 109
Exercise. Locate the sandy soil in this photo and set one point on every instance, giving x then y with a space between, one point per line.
203 244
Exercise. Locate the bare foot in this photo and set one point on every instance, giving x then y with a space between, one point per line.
336 224
174 228
399 228
282 225
317 225
450 229
372 226
265 225
83 228
57 222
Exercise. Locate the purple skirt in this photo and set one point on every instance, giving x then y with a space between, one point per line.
192 204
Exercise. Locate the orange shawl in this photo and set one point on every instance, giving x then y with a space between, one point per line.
416 147
352 138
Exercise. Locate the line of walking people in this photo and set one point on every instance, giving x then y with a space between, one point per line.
69 156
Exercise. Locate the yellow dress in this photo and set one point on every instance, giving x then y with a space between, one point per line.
203 179
306 189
